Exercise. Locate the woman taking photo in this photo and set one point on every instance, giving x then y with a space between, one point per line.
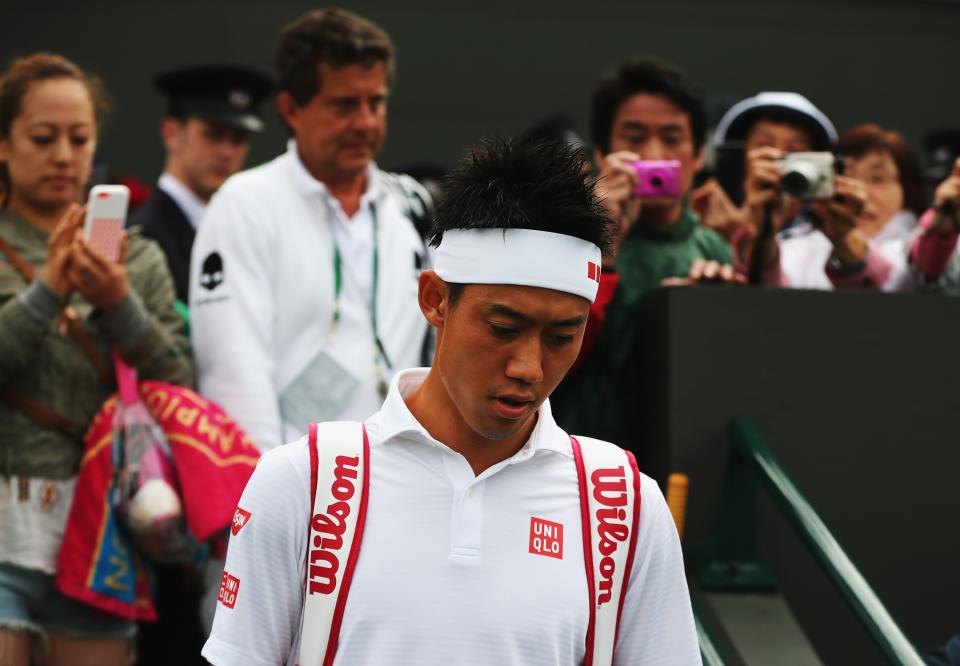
63 309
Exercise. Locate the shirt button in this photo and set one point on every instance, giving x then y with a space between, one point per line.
469 492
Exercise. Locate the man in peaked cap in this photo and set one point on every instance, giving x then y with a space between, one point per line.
212 111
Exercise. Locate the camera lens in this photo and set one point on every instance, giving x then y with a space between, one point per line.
656 181
795 183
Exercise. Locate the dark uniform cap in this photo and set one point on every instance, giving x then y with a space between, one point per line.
226 95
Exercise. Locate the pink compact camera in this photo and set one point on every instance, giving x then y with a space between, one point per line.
657 179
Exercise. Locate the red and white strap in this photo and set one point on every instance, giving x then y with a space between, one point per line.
610 513
609 484
340 483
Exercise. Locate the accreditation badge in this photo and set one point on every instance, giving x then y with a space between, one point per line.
321 392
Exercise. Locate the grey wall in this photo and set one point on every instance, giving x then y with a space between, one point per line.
470 69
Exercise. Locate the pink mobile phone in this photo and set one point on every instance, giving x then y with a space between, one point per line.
106 215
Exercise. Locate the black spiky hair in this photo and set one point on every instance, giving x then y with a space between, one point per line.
522 184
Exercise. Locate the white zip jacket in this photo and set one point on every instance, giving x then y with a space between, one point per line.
262 296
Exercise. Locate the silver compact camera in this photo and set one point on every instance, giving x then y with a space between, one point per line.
808 175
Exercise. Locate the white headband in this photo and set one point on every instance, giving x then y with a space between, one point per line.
520 256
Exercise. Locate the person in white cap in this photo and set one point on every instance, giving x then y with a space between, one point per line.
772 124
820 244
460 524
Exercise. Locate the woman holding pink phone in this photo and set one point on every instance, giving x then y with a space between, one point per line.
63 307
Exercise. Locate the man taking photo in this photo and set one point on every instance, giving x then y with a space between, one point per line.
645 113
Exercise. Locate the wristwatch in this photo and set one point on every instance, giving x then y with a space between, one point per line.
839 268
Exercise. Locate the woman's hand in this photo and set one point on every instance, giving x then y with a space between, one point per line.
839 218
946 200
103 283
54 272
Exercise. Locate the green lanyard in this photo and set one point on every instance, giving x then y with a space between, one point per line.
378 352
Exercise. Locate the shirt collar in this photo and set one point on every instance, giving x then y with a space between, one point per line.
310 186
394 419
191 205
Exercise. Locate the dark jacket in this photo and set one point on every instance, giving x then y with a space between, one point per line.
161 219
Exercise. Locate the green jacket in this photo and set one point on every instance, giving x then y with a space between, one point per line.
599 399
39 362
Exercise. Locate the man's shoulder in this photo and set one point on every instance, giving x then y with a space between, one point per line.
592 444
600 447
286 464
250 185
157 208
161 219
250 201
410 198
713 245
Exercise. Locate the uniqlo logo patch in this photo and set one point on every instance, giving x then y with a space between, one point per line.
229 589
240 519
546 538
593 271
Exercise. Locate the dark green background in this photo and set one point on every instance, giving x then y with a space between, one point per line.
470 69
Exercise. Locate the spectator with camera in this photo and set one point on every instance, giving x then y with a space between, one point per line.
934 252
816 226
648 128
855 228
785 121
781 122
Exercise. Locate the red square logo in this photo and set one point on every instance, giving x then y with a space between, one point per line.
240 519
593 271
229 589
546 538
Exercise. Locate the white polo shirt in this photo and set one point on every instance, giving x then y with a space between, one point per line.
445 573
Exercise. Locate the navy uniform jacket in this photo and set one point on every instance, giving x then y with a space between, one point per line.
162 220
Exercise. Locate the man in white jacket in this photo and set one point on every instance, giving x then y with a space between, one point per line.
304 273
